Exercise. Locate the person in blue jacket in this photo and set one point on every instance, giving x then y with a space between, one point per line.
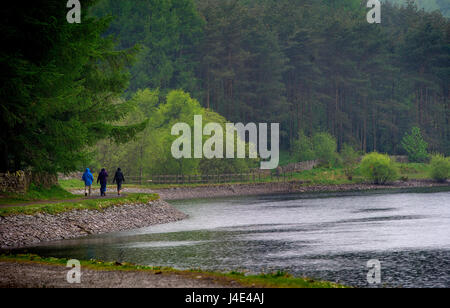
88 179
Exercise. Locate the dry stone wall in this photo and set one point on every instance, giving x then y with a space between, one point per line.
20 181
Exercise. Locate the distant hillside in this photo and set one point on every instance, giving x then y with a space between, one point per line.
429 5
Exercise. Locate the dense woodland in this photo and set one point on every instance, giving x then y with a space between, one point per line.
311 65
106 92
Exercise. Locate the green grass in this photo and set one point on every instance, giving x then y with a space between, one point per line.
88 204
272 280
326 176
414 171
75 184
37 194
279 280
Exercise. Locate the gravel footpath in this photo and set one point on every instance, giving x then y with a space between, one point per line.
25 230
233 190
34 275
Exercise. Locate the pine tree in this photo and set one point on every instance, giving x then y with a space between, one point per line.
61 88
415 146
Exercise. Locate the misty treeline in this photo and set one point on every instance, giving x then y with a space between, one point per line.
109 89
311 65
429 5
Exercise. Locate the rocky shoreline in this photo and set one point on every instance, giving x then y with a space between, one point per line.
25 230
235 190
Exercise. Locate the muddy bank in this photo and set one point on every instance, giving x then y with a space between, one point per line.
25 230
217 191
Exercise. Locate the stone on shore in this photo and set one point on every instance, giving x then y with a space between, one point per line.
25 230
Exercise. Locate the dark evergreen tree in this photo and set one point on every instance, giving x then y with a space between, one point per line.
60 87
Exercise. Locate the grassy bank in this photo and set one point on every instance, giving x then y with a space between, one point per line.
86 204
75 184
274 280
37 194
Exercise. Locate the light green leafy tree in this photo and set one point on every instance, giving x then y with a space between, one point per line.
149 153
415 146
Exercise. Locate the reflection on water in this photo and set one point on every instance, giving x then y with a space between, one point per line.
327 238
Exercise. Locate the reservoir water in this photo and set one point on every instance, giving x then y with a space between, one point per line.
328 237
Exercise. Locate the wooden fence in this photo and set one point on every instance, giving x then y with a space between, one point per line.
209 179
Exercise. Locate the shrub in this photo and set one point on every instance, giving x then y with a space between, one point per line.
378 168
303 148
415 146
440 168
321 146
349 159
325 148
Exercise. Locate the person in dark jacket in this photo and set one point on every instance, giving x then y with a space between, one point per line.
119 179
103 179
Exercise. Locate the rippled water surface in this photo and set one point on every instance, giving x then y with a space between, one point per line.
325 237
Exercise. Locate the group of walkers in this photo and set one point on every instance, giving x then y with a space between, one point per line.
102 178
